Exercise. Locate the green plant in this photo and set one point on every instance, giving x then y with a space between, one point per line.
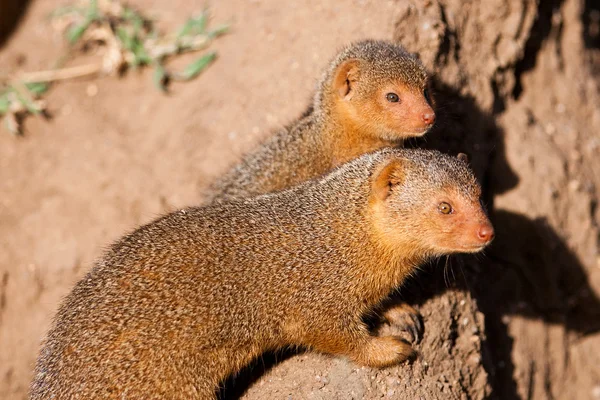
128 40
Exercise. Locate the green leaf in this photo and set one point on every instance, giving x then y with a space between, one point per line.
218 31
76 31
37 88
192 70
159 77
30 106
140 56
138 24
125 38
199 23
130 15
193 26
93 11
4 104
184 29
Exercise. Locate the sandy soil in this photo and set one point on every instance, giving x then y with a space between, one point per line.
515 90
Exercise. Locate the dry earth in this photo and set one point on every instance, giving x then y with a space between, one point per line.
515 89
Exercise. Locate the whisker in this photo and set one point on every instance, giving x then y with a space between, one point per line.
465 277
446 278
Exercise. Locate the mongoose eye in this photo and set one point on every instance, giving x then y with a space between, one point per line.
445 208
426 94
392 97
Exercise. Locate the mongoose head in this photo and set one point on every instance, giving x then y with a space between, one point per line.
382 89
429 203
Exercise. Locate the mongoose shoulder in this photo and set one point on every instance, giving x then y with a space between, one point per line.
372 95
179 304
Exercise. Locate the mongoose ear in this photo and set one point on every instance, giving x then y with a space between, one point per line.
391 174
345 77
463 157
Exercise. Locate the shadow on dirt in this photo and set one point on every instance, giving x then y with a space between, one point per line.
591 24
590 18
11 13
234 387
528 270
545 28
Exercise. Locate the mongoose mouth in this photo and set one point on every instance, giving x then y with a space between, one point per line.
483 237
421 131
476 248
462 248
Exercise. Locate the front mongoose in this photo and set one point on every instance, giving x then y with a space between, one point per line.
373 94
181 303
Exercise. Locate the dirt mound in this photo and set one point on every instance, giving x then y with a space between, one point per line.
515 89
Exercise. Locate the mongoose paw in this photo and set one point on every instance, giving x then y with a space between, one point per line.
407 319
385 351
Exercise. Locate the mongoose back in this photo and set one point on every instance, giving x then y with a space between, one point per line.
373 95
181 303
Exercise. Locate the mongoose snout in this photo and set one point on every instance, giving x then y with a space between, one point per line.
428 118
486 233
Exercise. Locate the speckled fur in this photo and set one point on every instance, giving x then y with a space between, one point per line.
322 139
179 304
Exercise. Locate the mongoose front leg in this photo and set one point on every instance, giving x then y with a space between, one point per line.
405 318
355 342
383 351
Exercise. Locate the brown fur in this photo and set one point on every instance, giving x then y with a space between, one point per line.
349 116
176 306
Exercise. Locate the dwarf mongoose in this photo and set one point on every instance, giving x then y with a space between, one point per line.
179 304
372 95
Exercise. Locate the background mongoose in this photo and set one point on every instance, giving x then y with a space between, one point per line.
374 94
179 304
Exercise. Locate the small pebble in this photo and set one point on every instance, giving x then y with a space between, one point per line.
91 90
574 185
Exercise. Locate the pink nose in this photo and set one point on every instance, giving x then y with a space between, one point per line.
485 233
428 118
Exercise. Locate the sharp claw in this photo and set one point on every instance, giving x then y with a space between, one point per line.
410 322
415 334
418 327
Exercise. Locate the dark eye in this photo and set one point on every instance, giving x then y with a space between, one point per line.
392 97
426 94
445 208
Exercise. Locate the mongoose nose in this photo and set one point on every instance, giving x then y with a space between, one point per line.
428 118
485 233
